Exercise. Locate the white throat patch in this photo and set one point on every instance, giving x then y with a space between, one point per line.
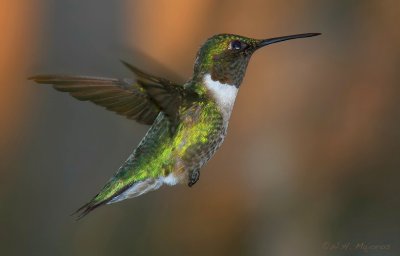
224 94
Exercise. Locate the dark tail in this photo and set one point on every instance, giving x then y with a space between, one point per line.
94 203
86 209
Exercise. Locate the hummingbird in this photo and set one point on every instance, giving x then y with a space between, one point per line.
188 121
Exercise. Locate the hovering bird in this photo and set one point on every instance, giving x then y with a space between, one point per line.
188 121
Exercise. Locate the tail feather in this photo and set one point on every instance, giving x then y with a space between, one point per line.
95 202
132 190
87 208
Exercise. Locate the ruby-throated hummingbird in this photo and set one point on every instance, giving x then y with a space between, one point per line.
188 121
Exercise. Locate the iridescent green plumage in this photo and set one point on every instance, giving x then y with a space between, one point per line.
159 154
189 121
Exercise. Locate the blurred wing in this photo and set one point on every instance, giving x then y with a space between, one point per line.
141 99
168 96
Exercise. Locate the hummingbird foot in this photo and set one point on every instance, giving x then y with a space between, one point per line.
194 176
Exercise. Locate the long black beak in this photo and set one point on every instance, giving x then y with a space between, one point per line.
269 41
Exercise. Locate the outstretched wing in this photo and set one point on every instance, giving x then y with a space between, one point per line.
140 99
168 96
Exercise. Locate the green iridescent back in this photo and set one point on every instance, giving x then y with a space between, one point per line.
196 139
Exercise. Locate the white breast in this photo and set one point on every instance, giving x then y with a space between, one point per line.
224 94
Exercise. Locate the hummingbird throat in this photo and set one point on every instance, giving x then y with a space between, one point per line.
223 94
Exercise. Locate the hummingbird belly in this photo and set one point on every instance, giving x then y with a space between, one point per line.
164 159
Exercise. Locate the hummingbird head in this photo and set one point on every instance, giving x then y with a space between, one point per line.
225 56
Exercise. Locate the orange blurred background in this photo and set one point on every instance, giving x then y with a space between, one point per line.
312 155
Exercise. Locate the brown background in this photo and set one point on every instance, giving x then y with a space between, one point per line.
312 154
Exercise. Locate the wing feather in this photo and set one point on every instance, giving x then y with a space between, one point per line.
140 99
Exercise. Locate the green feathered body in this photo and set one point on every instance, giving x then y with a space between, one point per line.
162 158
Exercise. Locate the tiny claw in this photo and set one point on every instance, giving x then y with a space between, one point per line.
194 176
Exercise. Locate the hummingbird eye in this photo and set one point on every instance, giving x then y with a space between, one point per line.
235 45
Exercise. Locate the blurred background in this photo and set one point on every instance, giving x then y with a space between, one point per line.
311 162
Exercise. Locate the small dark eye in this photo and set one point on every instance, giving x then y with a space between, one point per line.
236 45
